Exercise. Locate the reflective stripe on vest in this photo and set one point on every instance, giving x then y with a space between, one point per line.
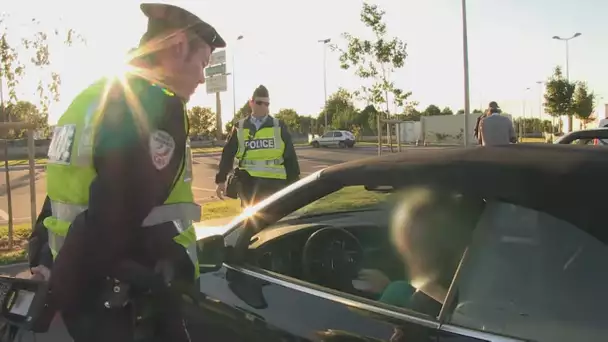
190 212
263 162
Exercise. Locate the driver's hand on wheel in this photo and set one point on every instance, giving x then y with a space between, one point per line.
377 280
40 273
220 190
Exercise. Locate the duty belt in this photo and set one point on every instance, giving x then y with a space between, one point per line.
262 162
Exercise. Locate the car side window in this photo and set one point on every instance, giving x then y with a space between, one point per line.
381 273
328 135
582 142
338 134
530 275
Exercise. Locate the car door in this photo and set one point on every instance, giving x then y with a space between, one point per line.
338 137
326 139
255 305
258 304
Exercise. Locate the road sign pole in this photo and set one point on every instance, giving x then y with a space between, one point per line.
218 116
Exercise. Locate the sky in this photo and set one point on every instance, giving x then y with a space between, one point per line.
510 47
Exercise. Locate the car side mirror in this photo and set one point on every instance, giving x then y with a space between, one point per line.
211 253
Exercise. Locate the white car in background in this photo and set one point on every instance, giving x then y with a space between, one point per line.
341 139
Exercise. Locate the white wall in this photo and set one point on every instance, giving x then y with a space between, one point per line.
409 132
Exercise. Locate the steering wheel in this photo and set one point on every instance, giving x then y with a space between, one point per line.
332 257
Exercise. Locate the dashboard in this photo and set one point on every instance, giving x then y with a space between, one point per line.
279 248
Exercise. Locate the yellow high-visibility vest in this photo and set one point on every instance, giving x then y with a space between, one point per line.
264 157
70 170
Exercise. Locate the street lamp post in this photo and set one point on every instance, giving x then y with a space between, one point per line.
234 81
325 42
523 116
567 40
465 52
540 105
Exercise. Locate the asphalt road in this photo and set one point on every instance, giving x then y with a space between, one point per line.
204 168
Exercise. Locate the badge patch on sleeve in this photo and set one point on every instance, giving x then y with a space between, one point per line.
162 147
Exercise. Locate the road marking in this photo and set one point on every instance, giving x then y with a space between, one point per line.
3 215
202 189
320 166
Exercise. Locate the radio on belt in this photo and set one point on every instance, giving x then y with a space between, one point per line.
24 303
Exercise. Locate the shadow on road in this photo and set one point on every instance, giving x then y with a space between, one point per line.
20 182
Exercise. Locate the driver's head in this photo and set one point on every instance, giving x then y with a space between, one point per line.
177 46
431 229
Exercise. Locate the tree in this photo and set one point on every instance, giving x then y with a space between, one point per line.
368 119
447 111
559 96
202 120
431 110
346 118
375 60
338 102
243 112
24 111
291 119
34 53
308 124
584 103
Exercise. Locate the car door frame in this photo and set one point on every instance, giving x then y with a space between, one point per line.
235 235
437 330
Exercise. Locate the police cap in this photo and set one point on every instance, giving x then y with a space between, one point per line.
165 17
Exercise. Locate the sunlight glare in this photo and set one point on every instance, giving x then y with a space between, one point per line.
248 212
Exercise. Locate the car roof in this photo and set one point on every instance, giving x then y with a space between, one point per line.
600 133
561 180
591 130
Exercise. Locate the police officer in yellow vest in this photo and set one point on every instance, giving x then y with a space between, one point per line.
119 179
267 159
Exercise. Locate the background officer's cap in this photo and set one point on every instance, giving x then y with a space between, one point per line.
163 18
260 91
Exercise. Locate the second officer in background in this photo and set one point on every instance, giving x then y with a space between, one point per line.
267 159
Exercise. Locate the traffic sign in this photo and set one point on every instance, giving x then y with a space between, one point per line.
218 57
216 84
215 70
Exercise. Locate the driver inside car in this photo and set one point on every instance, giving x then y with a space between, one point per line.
431 230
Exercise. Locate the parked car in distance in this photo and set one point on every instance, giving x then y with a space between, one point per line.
595 136
341 139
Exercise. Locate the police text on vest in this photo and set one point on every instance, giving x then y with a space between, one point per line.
258 144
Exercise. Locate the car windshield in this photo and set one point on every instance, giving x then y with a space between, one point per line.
347 199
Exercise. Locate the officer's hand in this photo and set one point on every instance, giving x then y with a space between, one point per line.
220 190
40 273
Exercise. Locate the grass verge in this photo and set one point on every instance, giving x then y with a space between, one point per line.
533 140
19 252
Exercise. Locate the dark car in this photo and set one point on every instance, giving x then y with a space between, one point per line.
596 136
534 270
